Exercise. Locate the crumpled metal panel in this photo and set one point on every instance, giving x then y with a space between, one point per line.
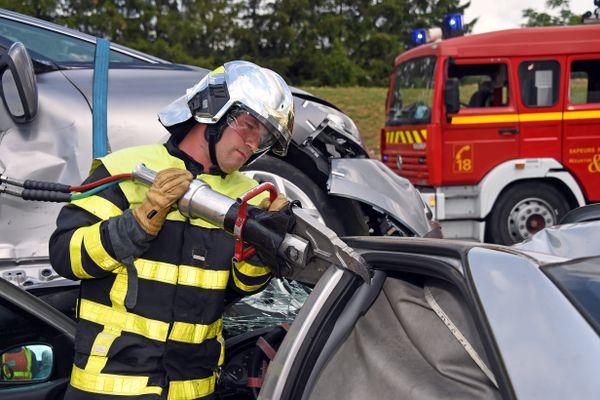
570 240
372 182
55 146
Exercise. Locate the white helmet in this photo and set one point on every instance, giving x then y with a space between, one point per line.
238 85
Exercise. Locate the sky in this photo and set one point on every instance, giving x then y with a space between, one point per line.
506 14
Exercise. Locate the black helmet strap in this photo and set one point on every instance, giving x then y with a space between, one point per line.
213 134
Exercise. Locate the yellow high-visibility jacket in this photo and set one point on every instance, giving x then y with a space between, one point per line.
171 341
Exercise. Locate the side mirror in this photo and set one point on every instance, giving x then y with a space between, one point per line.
451 97
26 363
18 87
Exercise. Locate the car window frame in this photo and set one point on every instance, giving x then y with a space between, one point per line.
556 82
508 109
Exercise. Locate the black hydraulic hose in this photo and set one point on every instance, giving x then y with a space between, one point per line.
43 185
35 185
36 195
45 195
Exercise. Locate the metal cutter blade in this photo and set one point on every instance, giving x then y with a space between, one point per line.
326 247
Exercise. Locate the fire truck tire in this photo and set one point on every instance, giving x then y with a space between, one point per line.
524 209
296 186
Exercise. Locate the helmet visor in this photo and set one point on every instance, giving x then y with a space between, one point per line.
254 133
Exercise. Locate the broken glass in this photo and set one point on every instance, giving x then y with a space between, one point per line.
279 303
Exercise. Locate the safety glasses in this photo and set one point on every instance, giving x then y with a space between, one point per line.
252 131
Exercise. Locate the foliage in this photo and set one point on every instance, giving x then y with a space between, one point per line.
564 16
316 42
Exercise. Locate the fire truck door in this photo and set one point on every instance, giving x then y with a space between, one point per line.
540 103
484 133
581 124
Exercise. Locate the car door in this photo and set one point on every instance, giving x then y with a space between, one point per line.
548 345
354 340
540 105
581 124
45 336
497 327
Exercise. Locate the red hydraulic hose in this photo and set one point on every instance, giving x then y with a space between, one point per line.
83 188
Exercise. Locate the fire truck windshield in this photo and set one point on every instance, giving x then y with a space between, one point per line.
412 92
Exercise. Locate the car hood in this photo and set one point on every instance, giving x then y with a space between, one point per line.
568 241
372 182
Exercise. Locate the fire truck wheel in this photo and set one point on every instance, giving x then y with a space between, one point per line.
522 210
296 185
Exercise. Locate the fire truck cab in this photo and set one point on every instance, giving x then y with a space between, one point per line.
500 131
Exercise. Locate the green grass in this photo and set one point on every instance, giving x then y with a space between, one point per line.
365 105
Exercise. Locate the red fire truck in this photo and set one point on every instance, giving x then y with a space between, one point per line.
500 131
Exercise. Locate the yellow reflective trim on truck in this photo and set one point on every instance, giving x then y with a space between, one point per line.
537 117
484 119
417 137
406 137
571 115
527 117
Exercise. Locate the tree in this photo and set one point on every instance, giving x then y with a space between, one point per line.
310 42
564 17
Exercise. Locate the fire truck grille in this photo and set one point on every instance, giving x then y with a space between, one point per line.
413 165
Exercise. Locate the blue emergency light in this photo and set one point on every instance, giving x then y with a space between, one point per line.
453 25
418 36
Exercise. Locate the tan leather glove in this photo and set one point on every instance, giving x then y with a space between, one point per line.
279 202
169 185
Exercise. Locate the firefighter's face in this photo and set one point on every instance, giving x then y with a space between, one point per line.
241 138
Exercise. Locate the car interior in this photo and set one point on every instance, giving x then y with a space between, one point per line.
402 348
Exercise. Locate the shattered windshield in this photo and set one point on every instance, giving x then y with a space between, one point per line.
279 303
412 92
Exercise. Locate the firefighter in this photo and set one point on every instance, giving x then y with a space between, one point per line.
154 284
17 364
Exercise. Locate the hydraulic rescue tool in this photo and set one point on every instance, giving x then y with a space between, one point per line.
307 250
